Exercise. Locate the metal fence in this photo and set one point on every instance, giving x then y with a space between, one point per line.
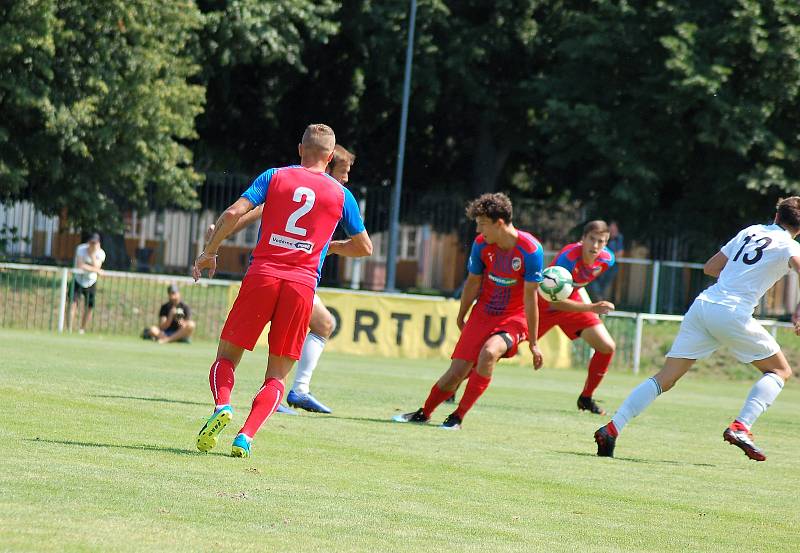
433 244
36 297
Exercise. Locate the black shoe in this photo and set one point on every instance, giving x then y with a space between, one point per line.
451 399
605 442
589 404
452 422
744 441
417 416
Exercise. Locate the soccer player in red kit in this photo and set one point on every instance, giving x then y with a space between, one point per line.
585 260
505 269
303 205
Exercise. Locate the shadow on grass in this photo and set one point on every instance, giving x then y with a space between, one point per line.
156 399
141 447
387 420
637 460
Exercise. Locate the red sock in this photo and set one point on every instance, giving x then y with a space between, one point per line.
435 398
476 385
598 367
612 429
221 379
264 404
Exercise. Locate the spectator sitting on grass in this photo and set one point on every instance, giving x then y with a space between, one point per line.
174 323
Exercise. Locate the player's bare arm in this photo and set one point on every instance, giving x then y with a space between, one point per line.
715 264
794 263
358 245
472 289
599 307
532 316
245 221
222 229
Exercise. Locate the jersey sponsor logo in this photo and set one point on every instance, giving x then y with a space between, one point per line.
290 243
516 263
501 281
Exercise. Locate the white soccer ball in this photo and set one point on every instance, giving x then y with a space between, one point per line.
556 284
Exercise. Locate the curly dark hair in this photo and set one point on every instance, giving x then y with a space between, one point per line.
494 206
789 212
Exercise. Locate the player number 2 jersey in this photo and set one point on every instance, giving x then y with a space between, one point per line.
301 211
757 258
504 273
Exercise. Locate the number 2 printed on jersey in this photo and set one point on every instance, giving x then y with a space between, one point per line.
307 197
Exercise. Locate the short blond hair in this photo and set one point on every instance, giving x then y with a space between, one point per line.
319 137
342 155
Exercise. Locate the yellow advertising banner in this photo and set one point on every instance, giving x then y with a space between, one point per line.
408 326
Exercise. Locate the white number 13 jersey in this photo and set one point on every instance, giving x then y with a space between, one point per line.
757 258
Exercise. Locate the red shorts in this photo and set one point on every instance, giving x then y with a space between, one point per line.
263 299
572 323
479 328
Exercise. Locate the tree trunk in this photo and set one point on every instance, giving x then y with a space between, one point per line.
489 159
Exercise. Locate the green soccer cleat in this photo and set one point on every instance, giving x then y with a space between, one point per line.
207 438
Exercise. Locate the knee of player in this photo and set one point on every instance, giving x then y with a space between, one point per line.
608 347
489 355
785 373
191 325
324 326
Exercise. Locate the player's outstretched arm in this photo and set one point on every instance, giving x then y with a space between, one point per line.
358 245
599 307
531 302
222 229
715 264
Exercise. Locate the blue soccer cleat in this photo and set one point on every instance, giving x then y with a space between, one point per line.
207 437
285 410
240 447
307 402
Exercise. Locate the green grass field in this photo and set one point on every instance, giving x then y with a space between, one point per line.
98 455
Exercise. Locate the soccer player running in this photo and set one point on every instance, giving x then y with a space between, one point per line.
722 315
322 322
585 260
505 269
303 206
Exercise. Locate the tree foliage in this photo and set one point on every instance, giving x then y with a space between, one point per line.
98 107
675 117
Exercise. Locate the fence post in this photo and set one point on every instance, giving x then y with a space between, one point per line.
62 302
654 286
637 343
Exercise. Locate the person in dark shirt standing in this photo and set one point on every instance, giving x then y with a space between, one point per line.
174 320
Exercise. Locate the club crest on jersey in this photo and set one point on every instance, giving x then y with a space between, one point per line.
516 263
290 243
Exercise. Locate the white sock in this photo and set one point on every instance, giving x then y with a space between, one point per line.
309 357
761 396
637 401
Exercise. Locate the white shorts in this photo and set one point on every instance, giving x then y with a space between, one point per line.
707 326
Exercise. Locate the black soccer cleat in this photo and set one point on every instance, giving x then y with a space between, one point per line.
417 417
744 441
452 422
605 442
589 404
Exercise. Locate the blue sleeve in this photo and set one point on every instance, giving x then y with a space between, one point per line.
257 192
534 264
613 258
475 264
351 216
564 261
